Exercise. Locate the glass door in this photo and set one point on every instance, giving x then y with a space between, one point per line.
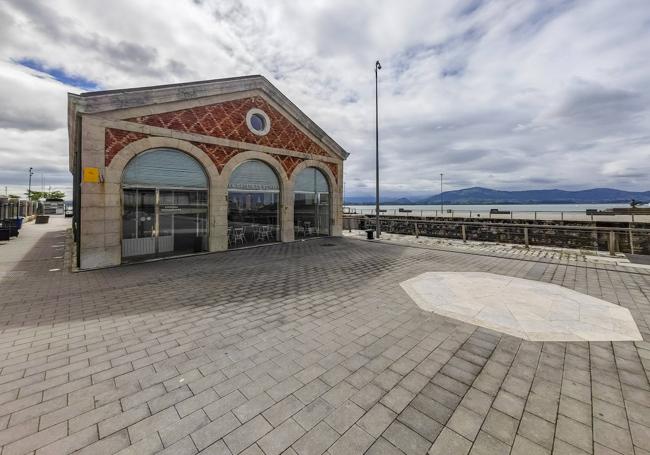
183 219
139 222
164 222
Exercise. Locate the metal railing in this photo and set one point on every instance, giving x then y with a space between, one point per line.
614 239
535 215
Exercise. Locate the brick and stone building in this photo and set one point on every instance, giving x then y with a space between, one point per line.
195 167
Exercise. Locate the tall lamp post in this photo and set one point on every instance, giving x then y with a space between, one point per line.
441 203
29 187
377 68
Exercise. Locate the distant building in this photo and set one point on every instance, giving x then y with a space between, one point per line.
196 167
53 207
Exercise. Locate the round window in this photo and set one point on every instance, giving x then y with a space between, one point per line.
258 122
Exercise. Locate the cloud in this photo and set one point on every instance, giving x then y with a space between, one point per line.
510 95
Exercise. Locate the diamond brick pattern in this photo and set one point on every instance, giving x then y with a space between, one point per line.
335 170
228 120
289 163
115 140
219 154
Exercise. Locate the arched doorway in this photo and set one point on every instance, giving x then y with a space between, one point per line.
164 205
253 204
311 209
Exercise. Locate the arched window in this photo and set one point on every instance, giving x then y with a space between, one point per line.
253 204
165 168
165 205
311 210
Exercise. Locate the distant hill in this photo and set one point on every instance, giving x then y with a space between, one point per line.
478 195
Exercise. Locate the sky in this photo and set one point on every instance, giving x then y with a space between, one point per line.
504 94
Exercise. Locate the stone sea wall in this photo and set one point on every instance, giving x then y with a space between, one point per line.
563 234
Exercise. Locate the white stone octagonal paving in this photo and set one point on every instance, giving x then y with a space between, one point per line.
528 309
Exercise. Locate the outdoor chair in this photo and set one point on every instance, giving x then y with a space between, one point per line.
264 233
231 238
300 231
239 235
308 229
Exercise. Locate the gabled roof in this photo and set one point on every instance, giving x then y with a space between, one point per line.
111 100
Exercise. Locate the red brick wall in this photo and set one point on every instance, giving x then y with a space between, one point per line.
116 140
228 120
218 154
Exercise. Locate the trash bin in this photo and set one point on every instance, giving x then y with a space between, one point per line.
19 222
370 234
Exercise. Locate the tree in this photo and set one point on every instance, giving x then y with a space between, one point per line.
36 195
55 195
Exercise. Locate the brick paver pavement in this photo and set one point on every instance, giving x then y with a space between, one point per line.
304 348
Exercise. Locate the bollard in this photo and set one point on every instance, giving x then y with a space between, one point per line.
417 232
612 243
526 236
464 233
631 241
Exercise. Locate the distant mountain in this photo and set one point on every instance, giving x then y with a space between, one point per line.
400 201
478 195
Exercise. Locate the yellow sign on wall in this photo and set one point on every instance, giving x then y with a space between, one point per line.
91 175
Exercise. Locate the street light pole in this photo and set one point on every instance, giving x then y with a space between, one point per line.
377 68
29 188
441 203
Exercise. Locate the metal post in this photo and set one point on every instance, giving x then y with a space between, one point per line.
464 233
631 241
441 201
377 68
612 243
29 188
526 236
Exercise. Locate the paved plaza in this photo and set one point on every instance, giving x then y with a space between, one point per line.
302 348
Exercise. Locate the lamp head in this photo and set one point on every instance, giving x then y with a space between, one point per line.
377 65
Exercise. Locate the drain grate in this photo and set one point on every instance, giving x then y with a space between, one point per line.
327 244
